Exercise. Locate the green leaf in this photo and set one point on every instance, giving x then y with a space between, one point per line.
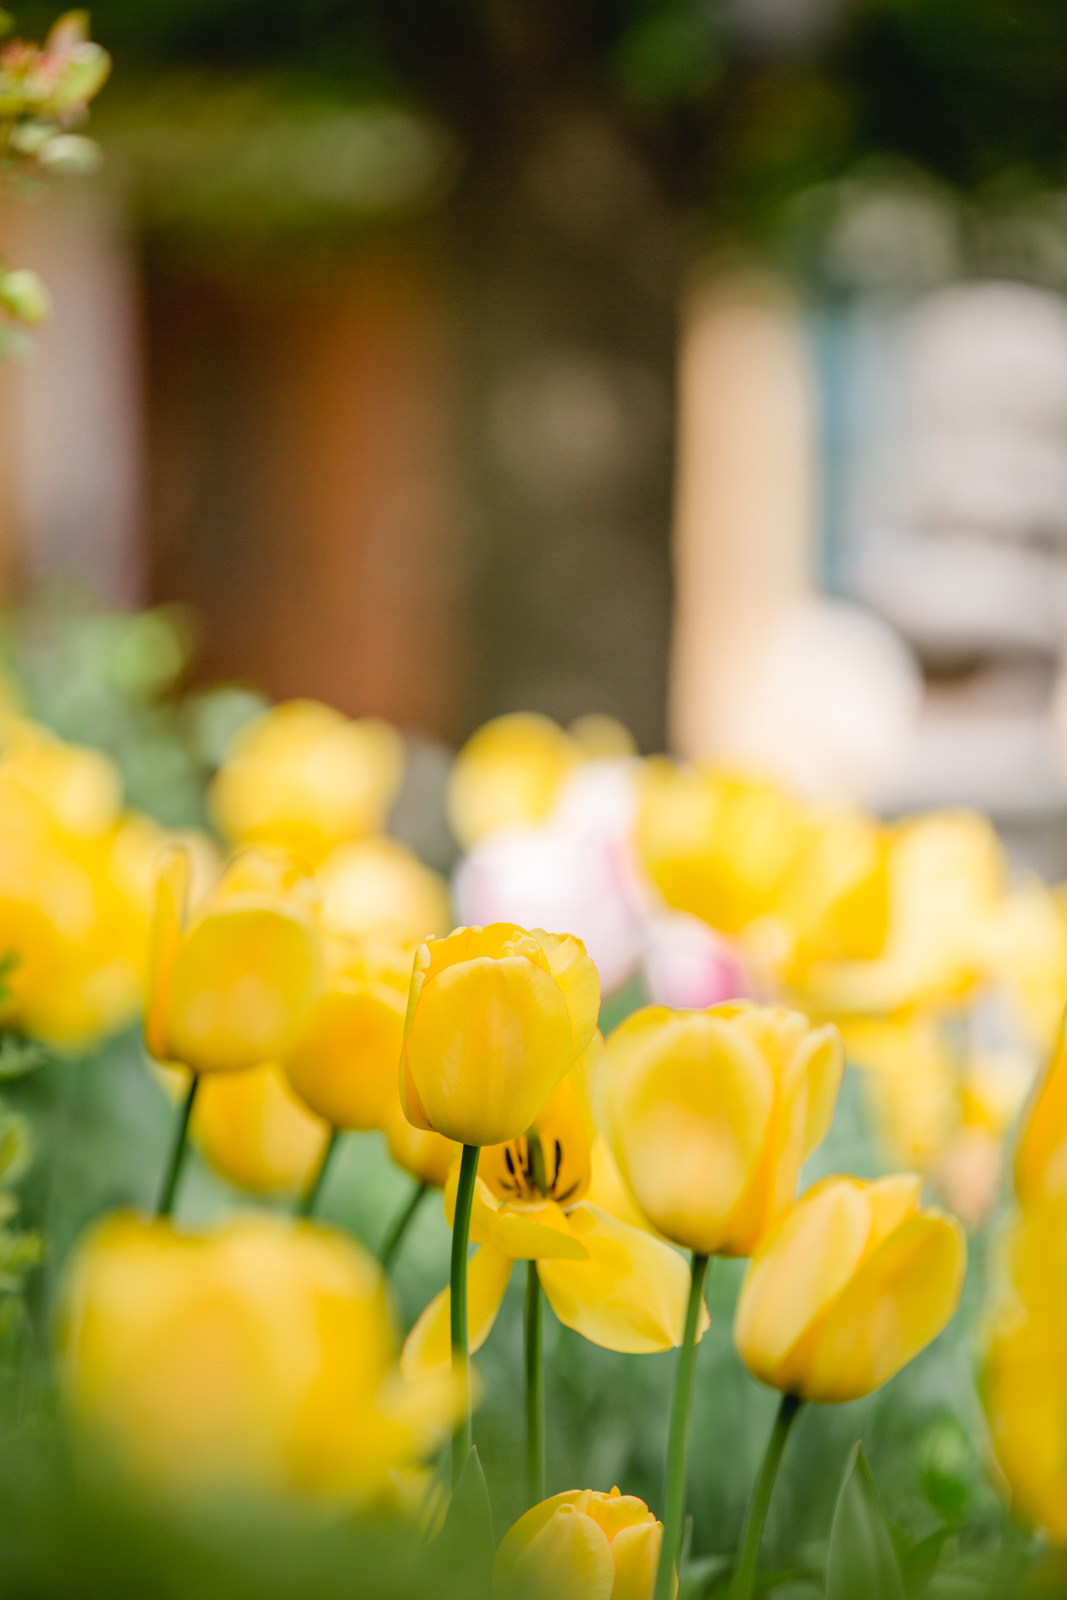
921 1560
862 1562
700 1577
462 1553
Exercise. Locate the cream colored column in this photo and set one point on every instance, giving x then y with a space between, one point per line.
745 501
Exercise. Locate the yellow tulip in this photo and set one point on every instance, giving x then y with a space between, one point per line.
508 773
716 844
613 1283
343 1062
852 1283
1041 1154
303 777
910 1068
1023 1388
253 1130
427 1156
580 1545
710 1114
944 882
258 1357
231 988
380 887
496 1017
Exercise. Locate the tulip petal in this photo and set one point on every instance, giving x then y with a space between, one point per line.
798 1271
901 1298
428 1347
577 977
536 1233
246 976
487 1043
567 1559
892 1200
636 1551
689 1100
483 1207
630 1295
174 872
251 1128
820 1060
343 1063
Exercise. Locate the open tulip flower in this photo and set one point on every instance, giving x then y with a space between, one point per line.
231 987
259 1357
615 1284
496 1017
848 1288
580 1545
710 1114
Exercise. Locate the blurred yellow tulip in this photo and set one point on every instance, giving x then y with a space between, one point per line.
716 844
303 777
710 1114
259 1357
427 1156
580 1545
378 886
253 1130
232 988
1023 1386
611 1282
1041 1153
343 1061
496 1017
849 1286
945 883
508 773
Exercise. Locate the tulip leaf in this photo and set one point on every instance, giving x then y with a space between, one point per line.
463 1551
862 1561
921 1561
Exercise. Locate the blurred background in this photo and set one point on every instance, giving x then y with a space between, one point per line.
700 362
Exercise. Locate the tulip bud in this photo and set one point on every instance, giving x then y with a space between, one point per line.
496 1017
710 1114
580 1545
24 295
848 1288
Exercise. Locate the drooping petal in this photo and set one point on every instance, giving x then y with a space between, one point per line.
898 1301
537 1233
487 1043
245 978
632 1292
428 1347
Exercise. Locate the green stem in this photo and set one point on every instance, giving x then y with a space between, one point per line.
178 1153
461 1229
310 1198
678 1440
745 1571
535 1388
400 1224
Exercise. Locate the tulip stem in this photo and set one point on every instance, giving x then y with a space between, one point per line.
400 1224
745 1572
310 1198
461 1229
678 1440
178 1152
535 1388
